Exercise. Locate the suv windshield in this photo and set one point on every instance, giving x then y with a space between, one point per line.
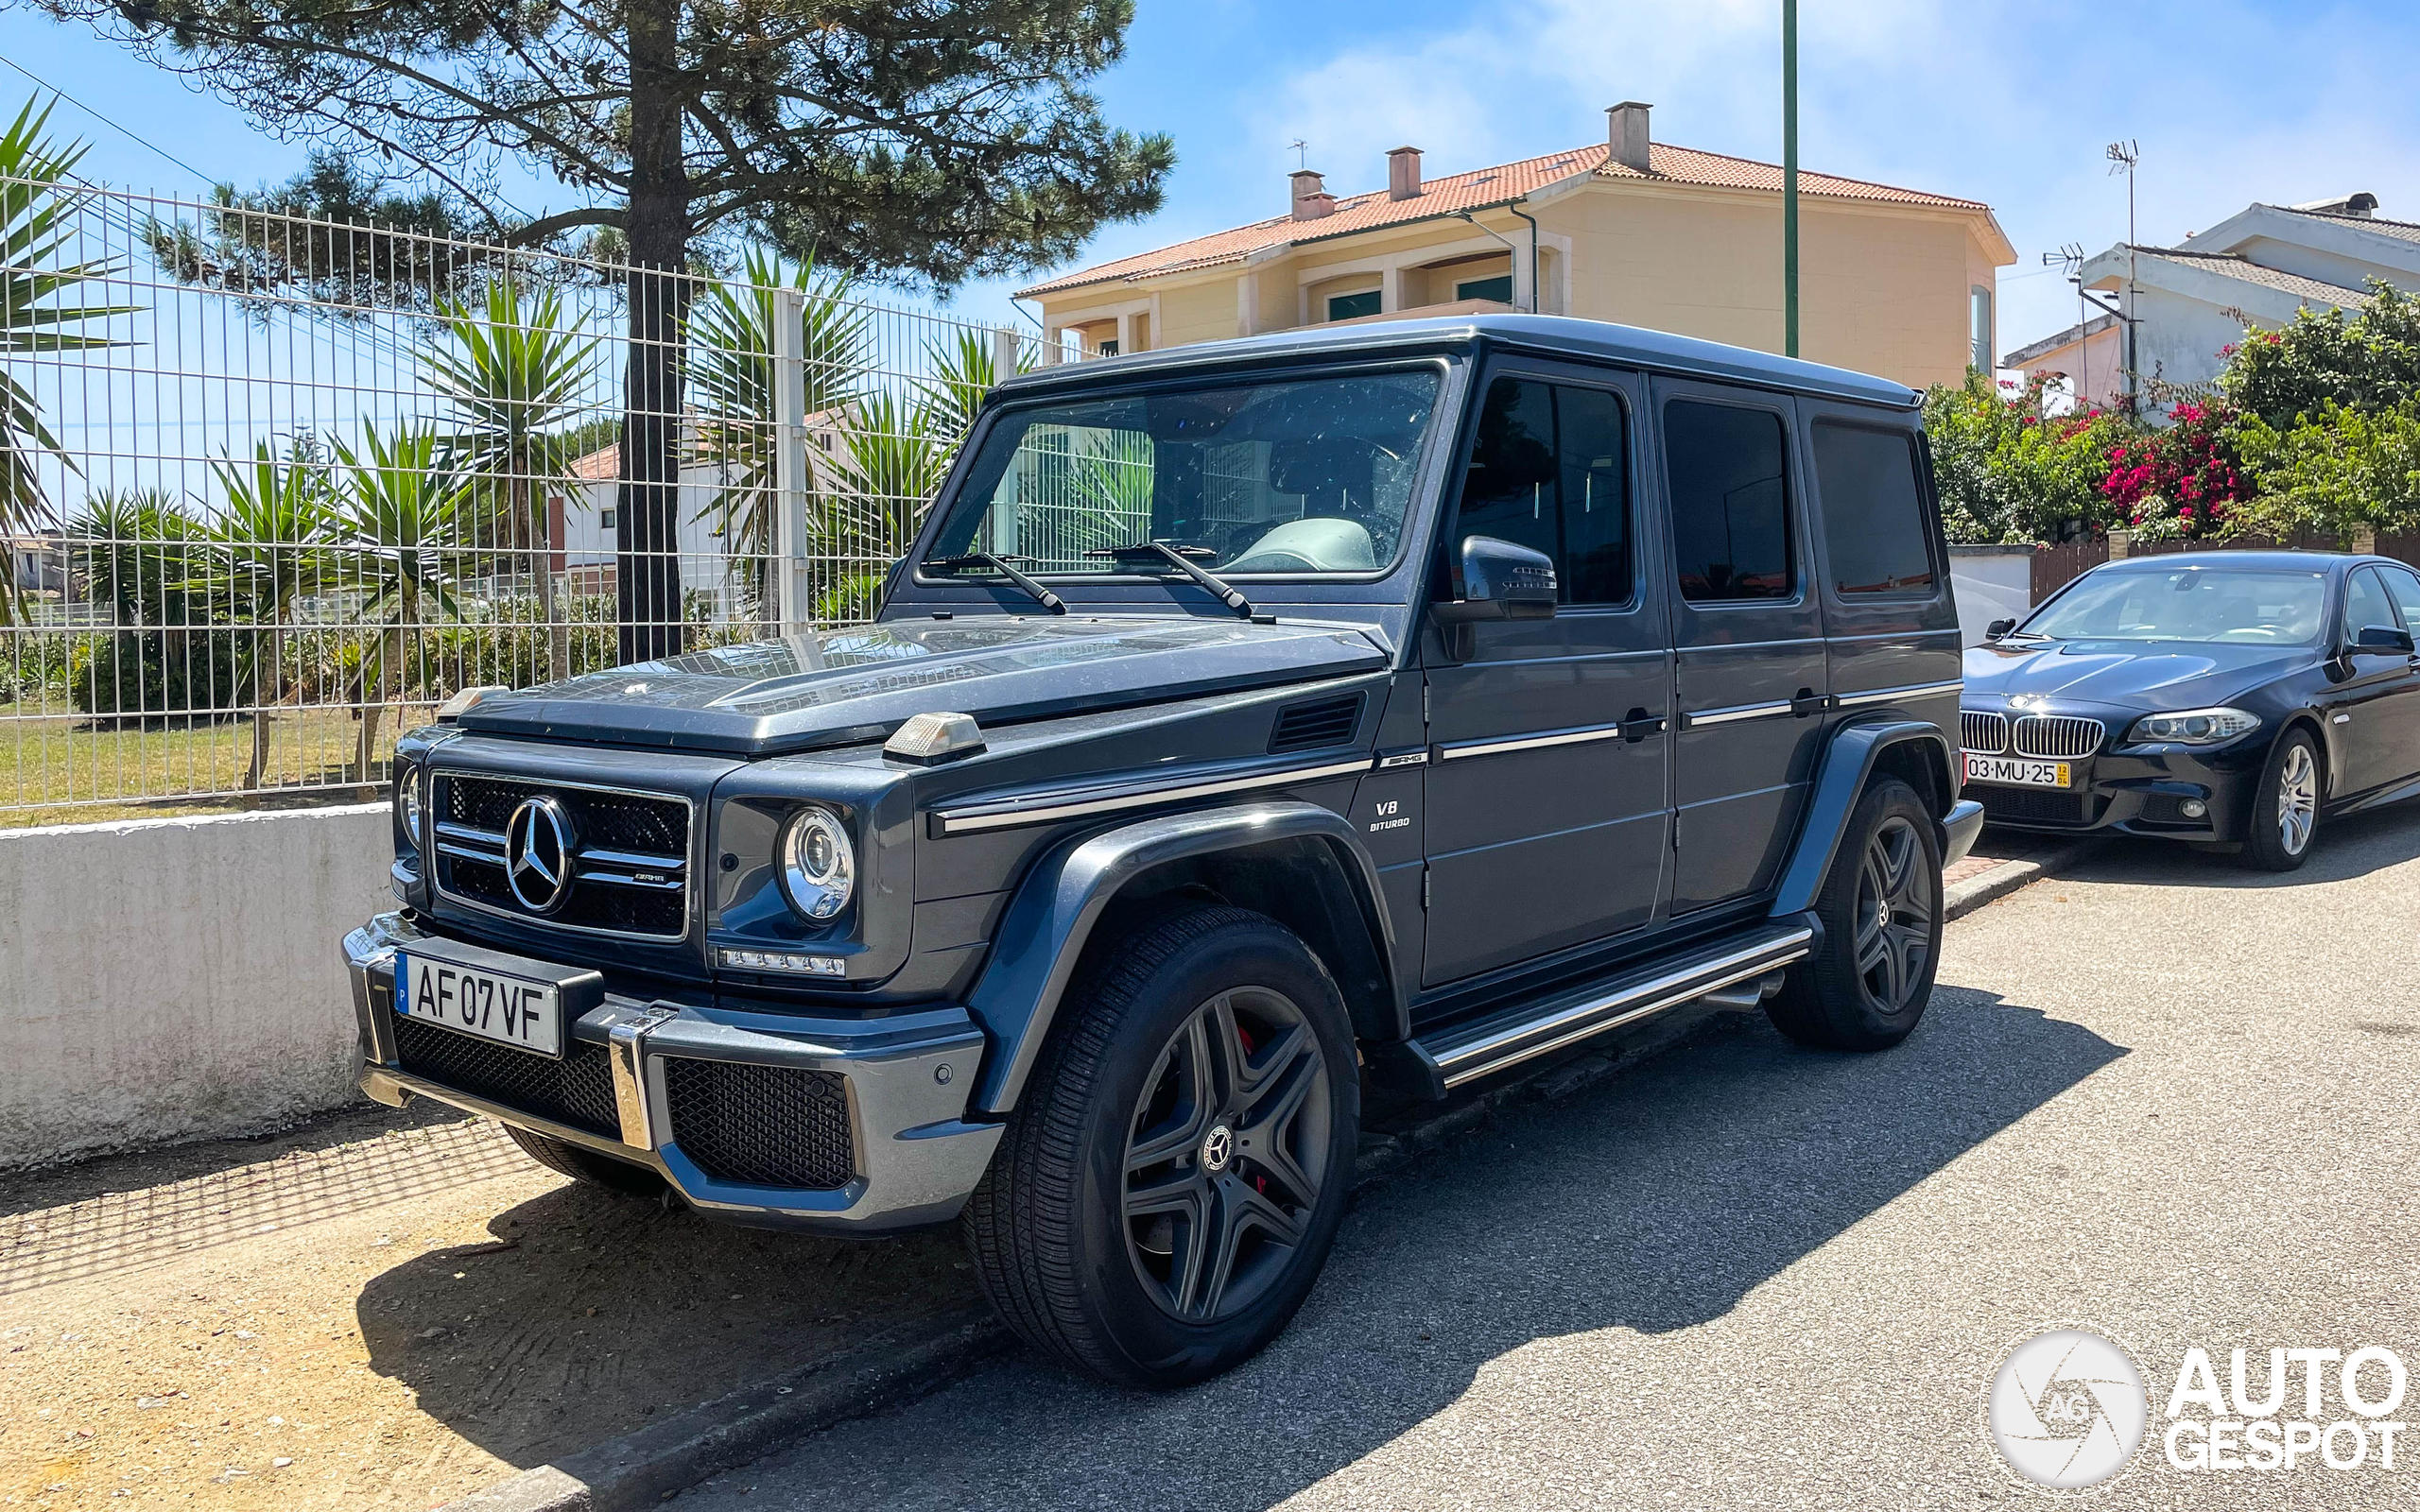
2228 603
1306 476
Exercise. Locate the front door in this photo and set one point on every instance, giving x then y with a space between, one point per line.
1546 811
2379 741
1750 678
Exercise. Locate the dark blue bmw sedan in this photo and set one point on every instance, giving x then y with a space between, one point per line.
2232 698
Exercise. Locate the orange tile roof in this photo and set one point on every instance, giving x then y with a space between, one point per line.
1477 190
603 464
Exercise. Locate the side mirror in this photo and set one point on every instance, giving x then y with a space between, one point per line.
1501 581
1997 628
2383 640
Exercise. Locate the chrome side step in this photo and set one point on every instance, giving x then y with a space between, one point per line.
1463 1053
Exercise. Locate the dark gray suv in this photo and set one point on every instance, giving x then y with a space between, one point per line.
1253 724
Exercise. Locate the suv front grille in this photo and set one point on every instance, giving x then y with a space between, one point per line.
761 1125
1985 733
2057 735
631 850
576 1089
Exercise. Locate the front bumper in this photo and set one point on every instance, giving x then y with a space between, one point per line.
912 1160
2140 790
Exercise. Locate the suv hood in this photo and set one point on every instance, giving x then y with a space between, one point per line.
848 687
2131 674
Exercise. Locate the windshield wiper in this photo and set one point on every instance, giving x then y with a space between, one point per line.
1000 564
1145 551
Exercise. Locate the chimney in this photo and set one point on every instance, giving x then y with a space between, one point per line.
1626 133
1311 198
1403 174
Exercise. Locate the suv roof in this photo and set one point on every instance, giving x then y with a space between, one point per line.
1553 334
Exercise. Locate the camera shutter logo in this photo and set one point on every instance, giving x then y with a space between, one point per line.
2066 1409
537 853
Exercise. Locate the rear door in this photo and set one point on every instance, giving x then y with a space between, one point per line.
1889 626
1750 680
1547 815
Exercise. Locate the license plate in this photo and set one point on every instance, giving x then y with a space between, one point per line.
511 1010
2017 771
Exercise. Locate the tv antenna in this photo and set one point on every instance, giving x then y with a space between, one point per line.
1302 151
2069 261
2122 157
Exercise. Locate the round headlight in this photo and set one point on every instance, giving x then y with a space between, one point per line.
407 802
819 867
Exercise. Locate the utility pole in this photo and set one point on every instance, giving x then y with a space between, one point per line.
1789 177
2122 158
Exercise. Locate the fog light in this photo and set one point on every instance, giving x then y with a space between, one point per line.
2194 808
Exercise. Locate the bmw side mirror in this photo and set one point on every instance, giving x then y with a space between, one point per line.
2383 640
1997 628
1501 581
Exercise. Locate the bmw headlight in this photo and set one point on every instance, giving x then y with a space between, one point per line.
2192 727
408 800
819 865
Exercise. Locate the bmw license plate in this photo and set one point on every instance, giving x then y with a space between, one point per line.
511 1010
2017 771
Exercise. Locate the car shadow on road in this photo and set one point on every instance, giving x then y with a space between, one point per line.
1653 1202
2347 845
588 1313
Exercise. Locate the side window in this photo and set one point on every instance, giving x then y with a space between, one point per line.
1549 471
1873 515
2365 603
2404 584
1725 472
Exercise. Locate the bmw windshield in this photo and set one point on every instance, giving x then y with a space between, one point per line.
1308 477
2218 605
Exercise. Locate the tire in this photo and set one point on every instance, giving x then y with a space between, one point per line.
1867 985
587 1166
1200 1096
2285 808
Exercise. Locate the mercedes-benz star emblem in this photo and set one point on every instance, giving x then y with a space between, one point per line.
1218 1148
537 853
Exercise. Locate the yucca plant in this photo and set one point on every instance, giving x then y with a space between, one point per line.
512 379
397 524
891 461
732 386
266 550
967 368
38 210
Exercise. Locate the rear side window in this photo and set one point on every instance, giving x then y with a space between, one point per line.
1549 471
1725 474
1874 538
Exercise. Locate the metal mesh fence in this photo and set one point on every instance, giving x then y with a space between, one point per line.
272 487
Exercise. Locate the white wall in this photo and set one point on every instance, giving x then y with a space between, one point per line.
1990 583
179 978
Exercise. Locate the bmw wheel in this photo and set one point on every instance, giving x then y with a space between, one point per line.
1175 1172
1868 982
2285 811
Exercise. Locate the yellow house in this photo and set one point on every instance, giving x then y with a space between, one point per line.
1894 281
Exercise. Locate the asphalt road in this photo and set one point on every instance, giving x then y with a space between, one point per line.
2163 1096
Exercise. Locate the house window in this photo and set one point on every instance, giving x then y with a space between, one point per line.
605 518
1109 348
1353 306
1978 311
1499 289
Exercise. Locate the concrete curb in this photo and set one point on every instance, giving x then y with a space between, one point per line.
1963 898
645 1468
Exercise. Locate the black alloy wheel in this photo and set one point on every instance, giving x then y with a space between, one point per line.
1870 977
1228 1155
1176 1167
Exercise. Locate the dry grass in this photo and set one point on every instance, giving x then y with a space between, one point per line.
71 769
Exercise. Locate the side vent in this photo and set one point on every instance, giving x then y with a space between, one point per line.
1320 722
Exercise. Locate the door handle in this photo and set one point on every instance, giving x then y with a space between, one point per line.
1808 702
1638 724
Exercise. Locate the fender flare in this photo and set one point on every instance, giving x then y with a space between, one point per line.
1848 761
1042 933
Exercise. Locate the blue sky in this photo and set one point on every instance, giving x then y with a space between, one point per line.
2008 104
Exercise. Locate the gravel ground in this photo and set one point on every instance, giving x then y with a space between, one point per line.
383 1310
2165 1096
